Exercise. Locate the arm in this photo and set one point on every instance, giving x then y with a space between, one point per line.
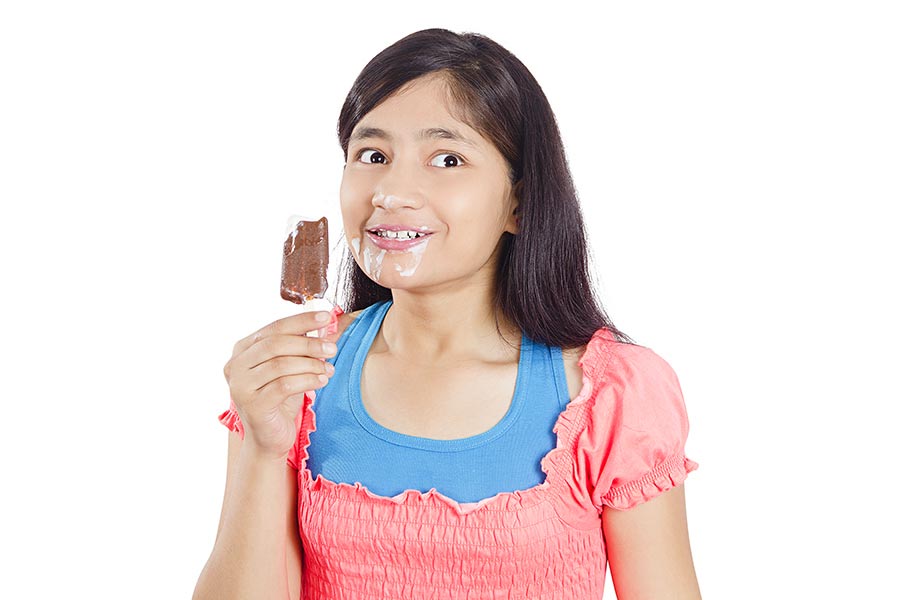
256 554
649 551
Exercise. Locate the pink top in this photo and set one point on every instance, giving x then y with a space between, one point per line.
620 442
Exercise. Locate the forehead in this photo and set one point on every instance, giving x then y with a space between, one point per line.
422 109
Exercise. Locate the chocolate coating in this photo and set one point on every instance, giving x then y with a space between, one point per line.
305 263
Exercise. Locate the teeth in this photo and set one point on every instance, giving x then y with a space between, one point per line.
399 235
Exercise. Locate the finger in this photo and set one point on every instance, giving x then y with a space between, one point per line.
292 384
299 324
283 345
283 366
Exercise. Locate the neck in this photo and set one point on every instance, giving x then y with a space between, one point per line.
452 325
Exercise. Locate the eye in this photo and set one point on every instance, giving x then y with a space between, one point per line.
375 154
452 160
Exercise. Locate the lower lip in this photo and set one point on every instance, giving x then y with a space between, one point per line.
389 244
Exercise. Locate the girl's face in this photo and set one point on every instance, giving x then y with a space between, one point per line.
411 166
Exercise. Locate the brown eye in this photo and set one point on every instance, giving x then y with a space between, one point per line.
376 156
451 160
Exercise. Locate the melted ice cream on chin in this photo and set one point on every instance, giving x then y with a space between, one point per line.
372 258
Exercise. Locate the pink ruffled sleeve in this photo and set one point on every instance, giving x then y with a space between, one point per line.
232 420
632 447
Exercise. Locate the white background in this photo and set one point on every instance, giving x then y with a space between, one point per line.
737 164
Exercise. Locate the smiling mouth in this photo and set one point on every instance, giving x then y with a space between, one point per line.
398 235
390 240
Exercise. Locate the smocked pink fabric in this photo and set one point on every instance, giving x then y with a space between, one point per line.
620 442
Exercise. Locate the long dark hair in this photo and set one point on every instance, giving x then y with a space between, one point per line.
543 282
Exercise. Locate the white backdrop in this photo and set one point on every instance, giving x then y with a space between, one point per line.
737 165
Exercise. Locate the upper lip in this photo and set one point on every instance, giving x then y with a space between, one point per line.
388 227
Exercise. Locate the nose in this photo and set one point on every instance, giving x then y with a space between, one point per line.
393 201
395 191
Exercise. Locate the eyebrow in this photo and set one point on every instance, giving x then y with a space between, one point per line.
424 134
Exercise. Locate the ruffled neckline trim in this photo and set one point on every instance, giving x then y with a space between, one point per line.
568 426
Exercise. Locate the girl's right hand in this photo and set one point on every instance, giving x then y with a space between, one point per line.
268 374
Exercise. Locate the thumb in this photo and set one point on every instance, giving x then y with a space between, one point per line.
295 402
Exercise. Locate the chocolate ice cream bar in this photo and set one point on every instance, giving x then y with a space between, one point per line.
303 270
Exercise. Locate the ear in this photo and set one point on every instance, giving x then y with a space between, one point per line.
512 222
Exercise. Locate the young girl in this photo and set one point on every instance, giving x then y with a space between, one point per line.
480 429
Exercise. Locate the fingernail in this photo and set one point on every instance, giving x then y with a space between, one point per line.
329 347
321 317
329 368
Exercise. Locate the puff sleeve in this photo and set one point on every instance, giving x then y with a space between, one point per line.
232 420
632 447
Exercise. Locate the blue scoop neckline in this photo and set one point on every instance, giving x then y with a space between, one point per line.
366 421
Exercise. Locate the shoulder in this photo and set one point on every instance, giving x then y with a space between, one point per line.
606 358
638 388
638 363
582 360
574 374
605 354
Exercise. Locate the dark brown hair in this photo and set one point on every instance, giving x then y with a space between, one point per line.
543 280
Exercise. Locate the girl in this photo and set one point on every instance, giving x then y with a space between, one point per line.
481 429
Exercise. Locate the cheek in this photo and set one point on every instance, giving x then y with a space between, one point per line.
352 212
354 201
346 191
478 210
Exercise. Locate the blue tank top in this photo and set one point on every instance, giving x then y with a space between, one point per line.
349 446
